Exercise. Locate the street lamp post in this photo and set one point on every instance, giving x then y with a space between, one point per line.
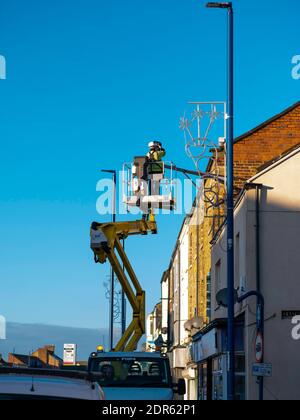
230 201
112 282
123 305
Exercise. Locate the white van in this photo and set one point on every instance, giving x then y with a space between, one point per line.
135 376
40 384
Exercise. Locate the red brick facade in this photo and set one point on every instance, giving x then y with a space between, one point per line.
265 143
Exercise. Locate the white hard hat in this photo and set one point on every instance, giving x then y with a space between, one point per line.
154 144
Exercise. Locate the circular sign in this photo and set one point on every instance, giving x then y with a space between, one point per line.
259 348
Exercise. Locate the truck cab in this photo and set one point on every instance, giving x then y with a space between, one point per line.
135 376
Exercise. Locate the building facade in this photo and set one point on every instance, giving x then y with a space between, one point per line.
154 329
43 357
179 297
267 243
197 329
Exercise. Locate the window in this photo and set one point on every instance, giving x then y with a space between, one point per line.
202 382
240 377
219 378
132 372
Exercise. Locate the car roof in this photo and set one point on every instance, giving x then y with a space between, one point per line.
43 383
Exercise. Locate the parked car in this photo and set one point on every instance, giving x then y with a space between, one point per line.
41 384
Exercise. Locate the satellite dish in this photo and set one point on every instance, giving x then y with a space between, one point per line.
198 323
188 325
222 298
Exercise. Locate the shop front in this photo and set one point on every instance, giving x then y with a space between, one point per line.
209 353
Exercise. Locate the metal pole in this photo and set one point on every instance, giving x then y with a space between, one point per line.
261 329
112 282
230 209
112 291
111 309
123 304
260 308
230 200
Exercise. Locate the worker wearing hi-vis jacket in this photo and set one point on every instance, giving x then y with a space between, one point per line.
155 166
156 152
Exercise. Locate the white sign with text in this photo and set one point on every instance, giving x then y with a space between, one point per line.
2 328
70 354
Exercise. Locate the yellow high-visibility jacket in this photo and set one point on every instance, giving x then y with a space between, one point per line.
156 156
156 165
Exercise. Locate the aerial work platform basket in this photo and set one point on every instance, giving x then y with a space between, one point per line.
149 185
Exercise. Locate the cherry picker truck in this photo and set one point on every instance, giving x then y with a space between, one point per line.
124 373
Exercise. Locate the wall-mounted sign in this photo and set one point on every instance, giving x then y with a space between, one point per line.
2 328
259 348
262 370
289 314
206 347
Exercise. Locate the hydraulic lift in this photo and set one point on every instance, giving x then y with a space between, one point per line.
106 238
106 244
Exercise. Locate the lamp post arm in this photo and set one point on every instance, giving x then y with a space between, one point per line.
252 294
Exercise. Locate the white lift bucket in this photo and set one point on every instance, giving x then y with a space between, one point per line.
149 185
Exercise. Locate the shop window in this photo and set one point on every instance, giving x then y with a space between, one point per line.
202 382
219 378
205 381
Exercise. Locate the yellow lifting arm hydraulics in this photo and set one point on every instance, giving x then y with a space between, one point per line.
106 244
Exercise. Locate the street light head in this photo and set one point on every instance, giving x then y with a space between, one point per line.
108 171
217 5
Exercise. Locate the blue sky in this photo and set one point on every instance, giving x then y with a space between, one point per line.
89 83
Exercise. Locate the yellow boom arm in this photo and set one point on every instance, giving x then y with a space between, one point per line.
106 244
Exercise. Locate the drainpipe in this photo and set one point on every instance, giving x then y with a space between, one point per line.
179 293
258 188
257 211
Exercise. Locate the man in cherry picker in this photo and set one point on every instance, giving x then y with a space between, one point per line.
148 172
155 166
156 151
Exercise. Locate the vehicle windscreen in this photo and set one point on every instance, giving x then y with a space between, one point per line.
132 372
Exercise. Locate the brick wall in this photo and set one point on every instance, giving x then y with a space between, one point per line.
266 144
251 151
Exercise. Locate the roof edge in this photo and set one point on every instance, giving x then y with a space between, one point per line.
276 162
267 122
